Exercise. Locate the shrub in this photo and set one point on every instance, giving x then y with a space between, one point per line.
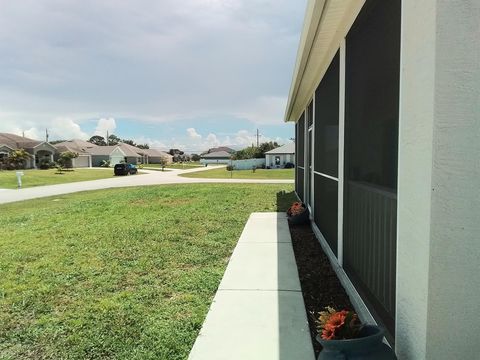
229 167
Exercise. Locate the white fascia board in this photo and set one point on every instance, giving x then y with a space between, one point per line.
326 25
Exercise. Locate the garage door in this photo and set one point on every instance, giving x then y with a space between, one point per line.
81 161
116 159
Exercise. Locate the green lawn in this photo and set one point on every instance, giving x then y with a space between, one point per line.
8 179
222 173
120 273
189 165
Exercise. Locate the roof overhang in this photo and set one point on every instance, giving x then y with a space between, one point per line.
326 24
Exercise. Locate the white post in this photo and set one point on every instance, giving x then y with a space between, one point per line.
341 151
438 251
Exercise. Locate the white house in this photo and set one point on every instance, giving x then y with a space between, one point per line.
277 158
385 98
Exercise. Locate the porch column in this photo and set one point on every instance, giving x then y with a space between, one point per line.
438 252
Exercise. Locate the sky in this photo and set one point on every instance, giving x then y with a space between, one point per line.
190 74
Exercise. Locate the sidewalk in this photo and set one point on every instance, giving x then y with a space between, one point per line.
258 312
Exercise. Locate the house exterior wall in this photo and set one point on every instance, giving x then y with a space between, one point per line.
284 158
439 172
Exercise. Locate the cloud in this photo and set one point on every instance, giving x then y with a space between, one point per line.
79 57
192 133
104 125
66 128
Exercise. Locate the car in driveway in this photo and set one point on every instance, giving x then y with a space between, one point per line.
124 169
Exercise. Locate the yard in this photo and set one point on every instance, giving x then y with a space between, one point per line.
187 165
8 179
222 173
119 273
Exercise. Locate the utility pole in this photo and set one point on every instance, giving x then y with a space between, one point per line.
258 136
46 135
107 138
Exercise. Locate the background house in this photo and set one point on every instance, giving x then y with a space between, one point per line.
39 151
216 157
387 162
278 157
81 147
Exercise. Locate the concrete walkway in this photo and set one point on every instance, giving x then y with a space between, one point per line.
258 311
151 177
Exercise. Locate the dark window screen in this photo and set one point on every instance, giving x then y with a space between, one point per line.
310 114
300 174
326 209
300 151
299 155
372 89
372 72
326 121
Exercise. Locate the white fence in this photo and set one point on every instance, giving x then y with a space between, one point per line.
247 164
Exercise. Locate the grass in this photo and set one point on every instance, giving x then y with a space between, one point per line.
189 165
222 173
119 273
8 179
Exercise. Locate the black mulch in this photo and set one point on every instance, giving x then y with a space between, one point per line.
320 285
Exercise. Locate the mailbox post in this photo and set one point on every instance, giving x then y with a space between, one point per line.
19 178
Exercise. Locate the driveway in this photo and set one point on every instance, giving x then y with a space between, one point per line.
151 177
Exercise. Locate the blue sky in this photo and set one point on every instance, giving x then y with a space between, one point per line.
191 74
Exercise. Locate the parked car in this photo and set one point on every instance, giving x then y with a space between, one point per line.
125 169
289 165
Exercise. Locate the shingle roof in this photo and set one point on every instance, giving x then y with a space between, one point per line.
76 145
284 149
18 142
217 155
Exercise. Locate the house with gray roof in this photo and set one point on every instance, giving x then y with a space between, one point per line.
38 151
216 157
278 157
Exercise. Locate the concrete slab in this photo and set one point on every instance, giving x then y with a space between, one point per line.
258 311
266 227
263 325
262 266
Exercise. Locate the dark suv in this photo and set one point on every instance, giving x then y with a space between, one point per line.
124 169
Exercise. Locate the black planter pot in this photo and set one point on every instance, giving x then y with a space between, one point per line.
367 347
299 219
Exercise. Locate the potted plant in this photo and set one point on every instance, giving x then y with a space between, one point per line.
297 213
343 336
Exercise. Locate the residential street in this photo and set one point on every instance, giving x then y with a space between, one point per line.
152 177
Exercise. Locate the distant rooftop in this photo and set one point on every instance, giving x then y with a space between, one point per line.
284 149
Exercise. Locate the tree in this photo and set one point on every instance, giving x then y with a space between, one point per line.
253 152
18 158
163 162
97 140
195 157
65 159
113 140
143 146
129 142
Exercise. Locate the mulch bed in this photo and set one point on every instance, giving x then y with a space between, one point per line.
320 285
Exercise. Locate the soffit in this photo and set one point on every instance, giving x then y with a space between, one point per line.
326 24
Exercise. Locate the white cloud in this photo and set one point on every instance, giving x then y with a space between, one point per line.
66 128
192 133
104 125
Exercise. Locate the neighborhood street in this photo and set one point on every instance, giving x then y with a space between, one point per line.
151 177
